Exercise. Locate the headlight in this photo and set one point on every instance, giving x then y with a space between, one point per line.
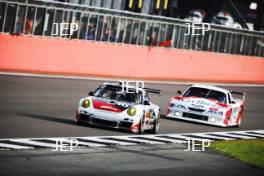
86 103
131 111
176 113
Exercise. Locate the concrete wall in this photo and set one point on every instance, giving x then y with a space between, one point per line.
43 55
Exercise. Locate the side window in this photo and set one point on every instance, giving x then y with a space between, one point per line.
146 98
229 98
97 91
139 98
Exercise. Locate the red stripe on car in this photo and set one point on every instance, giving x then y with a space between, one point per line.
227 116
105 106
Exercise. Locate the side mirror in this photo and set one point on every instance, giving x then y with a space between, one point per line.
91 93
179 92
146 103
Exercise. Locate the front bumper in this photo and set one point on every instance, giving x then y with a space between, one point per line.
117 124
196 117
103 122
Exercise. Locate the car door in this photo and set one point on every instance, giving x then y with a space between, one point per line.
148 112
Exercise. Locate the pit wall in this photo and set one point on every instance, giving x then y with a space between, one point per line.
73 57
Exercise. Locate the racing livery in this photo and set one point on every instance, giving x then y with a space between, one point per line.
110 107
208 104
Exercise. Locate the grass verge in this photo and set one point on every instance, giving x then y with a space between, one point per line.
249 151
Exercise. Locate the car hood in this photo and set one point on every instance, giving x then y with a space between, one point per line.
110 105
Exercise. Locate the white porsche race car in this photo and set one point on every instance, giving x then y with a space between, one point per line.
208 104
130 110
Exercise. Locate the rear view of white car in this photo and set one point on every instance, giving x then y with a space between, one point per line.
208 104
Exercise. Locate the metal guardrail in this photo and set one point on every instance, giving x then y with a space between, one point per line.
99 24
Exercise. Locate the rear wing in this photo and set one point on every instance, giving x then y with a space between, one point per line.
155 91
239 93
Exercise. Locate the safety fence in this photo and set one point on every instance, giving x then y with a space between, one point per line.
38 18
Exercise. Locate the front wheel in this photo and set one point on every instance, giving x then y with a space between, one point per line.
156 125
239 118
77 119
141 127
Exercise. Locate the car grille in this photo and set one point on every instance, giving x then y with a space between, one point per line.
104 122
196 109
125 124
195 116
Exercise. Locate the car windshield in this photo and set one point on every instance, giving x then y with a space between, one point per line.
205 93
111 92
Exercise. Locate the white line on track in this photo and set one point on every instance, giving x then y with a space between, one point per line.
12 146
88 144
98 139
215 137
28 141
131 138
102 141
235 136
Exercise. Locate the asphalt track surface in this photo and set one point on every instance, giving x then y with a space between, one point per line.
157 160
45 107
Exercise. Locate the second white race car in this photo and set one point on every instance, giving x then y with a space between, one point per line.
208 104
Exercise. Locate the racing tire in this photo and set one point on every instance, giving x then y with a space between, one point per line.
156 125
240 119
78 123
140 127
77 120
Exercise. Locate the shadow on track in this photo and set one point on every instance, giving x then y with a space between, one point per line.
70 122
49 118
